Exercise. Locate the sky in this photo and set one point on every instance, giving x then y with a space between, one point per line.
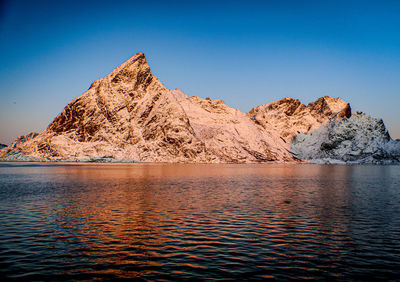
246 53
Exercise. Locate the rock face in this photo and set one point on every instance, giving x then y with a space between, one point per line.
22 139
358 139
131 116
289 117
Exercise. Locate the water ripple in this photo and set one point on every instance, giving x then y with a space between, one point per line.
172 222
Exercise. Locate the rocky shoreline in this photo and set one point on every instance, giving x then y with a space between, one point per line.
15 156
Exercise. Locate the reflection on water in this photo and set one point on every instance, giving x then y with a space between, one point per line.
161 221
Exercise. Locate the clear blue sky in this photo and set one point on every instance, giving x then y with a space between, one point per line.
244 52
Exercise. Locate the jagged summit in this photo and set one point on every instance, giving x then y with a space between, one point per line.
328 106
130 115
139 58
134 70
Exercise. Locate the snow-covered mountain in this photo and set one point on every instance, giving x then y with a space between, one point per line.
129 115
358 139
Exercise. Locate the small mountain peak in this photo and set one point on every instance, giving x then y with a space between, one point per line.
136 56
134 71
329 106
288 100
138 59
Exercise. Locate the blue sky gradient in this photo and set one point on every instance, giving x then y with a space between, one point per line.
246 53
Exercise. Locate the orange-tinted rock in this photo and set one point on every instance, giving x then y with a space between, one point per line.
289 117
130 114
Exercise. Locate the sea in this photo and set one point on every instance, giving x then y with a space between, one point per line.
69 221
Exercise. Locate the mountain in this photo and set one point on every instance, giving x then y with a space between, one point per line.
131 116
358 139
289 117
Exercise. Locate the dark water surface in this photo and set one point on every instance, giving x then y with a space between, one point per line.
160 221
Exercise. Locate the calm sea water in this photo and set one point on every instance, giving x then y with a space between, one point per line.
162 221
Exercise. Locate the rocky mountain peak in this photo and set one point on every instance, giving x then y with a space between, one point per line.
328 106
131 115
132 68
132 75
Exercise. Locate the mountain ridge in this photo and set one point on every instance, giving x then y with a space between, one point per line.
129 115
